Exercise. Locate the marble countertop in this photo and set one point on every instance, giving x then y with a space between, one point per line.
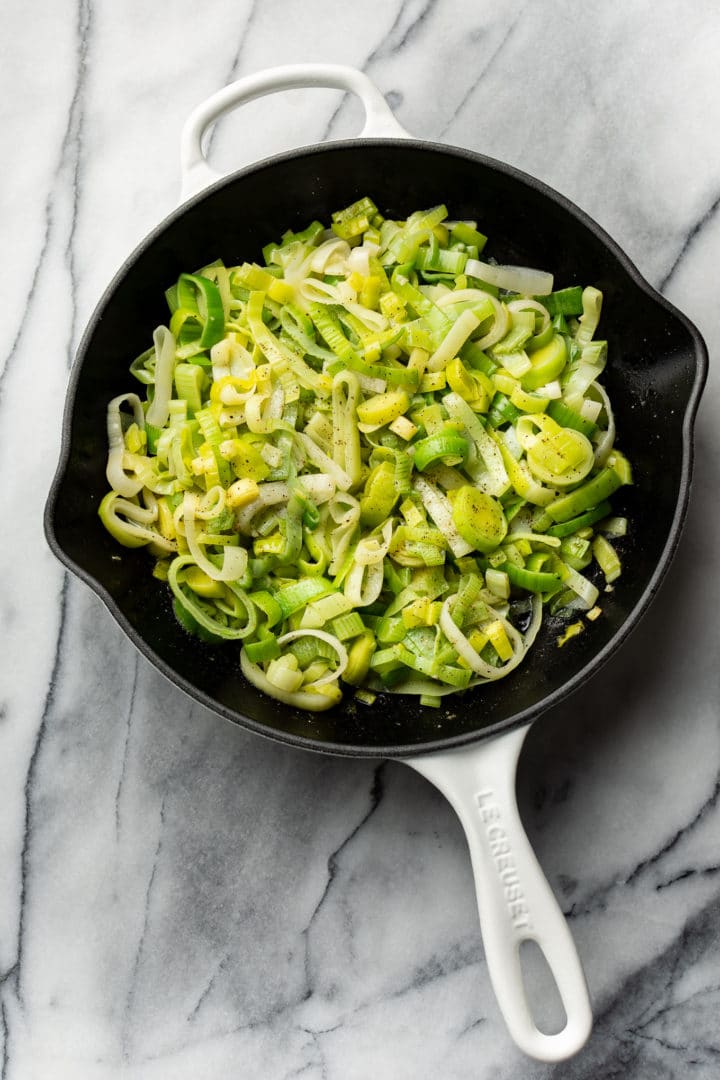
180 899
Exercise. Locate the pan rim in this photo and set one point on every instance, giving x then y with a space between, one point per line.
519 719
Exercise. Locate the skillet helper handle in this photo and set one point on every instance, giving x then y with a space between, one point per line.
515 900
380 121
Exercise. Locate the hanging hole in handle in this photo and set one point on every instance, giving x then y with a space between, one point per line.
279 122
541 991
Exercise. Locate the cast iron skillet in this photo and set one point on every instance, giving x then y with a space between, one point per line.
469 747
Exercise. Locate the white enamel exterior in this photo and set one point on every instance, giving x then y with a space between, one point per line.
379 119
515 901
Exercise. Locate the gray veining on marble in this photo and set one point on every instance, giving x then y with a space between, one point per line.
179 899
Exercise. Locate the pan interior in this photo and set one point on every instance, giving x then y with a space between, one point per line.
653 374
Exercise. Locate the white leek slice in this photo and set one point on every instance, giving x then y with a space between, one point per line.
586 591
344 511
297 263
211 503
454 340
318 292
262 414
590 366
535 622
363 584
331 257
440 510
606 440
511 441
271 455
551 390
519 279
359 259
587 324
230 357
374 321
159 408
117 478
489 474
234 559
323 462
370 385
320 488
590 410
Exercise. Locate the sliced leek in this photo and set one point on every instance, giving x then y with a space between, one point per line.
369 458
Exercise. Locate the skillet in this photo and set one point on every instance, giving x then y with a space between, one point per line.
469 747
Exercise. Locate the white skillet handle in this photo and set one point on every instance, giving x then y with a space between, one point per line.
514 899
379 119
